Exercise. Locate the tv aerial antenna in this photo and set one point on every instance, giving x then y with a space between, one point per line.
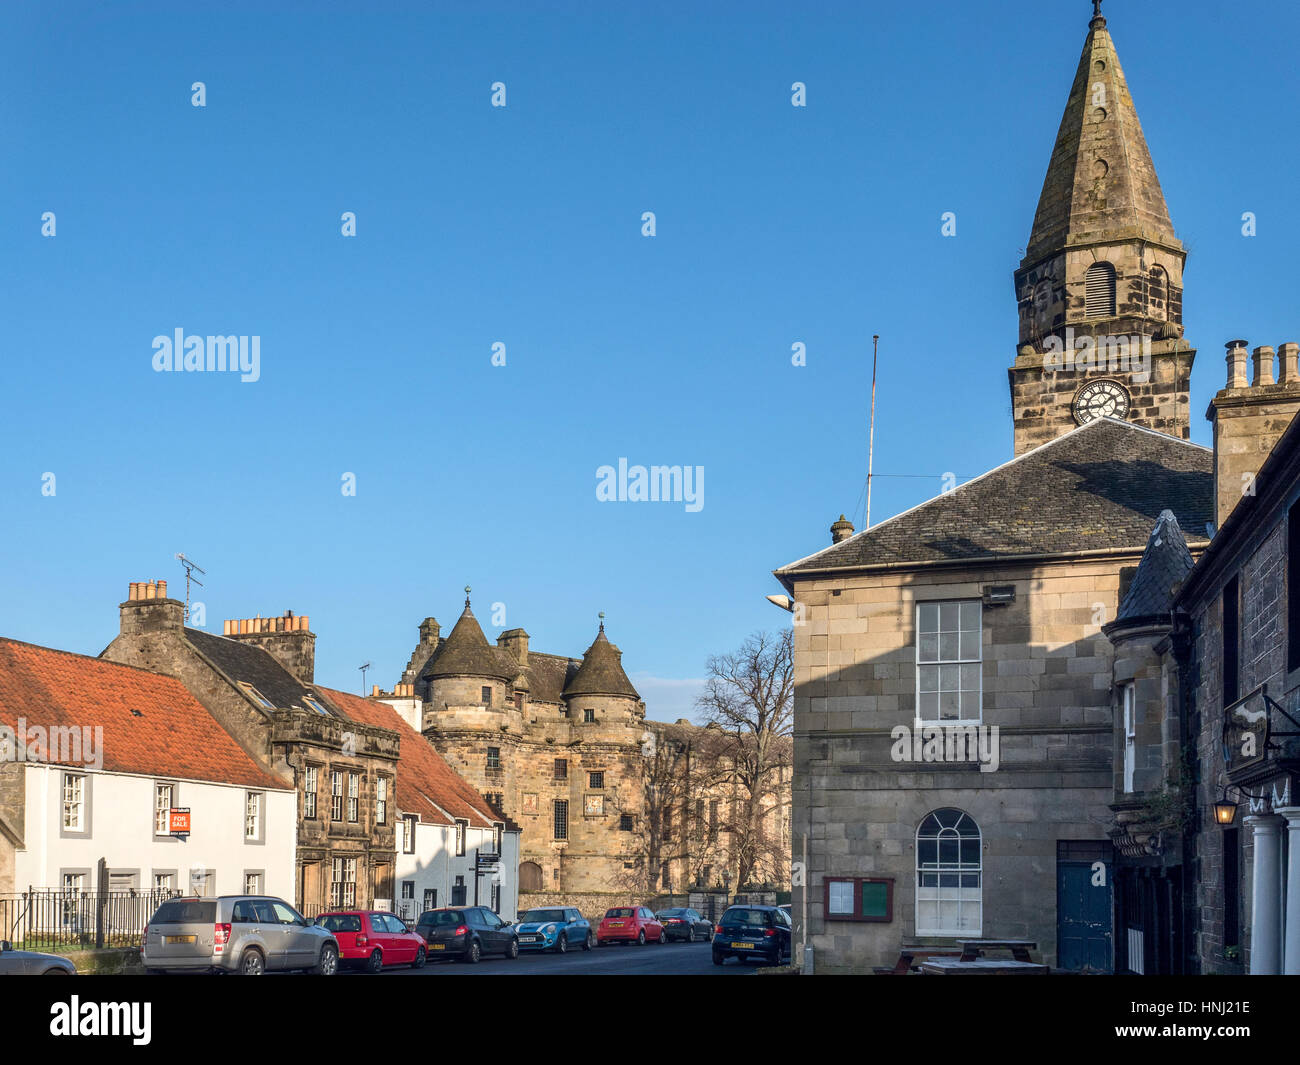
363 669
191 568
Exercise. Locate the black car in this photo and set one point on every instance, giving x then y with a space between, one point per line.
466 932
761 932
686 925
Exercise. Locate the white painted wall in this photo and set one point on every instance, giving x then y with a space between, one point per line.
435 865
121 809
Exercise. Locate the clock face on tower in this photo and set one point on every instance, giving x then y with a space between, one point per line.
1100 399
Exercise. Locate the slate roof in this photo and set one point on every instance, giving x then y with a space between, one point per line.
601 672
426 785
152 726
1099 487
548 675
466 652
1165 564
246 662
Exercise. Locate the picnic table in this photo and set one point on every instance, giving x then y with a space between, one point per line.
981 967
907 959
972 949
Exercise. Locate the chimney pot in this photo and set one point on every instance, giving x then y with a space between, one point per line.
1263 366
162 589
1237 355
841 530
303 623
1289 354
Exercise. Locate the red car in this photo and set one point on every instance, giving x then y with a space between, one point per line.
630 924
373 938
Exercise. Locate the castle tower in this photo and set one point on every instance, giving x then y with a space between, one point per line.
1100 287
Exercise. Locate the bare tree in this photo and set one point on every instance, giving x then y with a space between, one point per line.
749 696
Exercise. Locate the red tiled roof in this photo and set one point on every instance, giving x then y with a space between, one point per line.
424 781
151 724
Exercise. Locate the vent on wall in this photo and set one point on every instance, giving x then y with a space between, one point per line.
999 594
1099 291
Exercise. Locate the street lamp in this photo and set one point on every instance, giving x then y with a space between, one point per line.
1225 810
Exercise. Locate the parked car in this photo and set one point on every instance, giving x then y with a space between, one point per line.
752 932
466 932
555 928
32 962
374 939
630 924
686 925
248 934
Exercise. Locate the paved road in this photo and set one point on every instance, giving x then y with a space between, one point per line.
671 959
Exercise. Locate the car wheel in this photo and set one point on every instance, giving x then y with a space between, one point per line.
589 942
562 944
640 938
473 952
375 962
663 937
55 972
328 963
420 959
252 963
718 959
512 951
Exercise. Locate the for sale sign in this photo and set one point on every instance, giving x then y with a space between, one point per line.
178 820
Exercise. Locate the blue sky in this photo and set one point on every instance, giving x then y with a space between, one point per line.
522 225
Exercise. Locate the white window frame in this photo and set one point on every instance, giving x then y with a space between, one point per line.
1127 697
381 801
354 798
408 824
336 796
162 824
74 802
252 815
939 893
961 663
310 791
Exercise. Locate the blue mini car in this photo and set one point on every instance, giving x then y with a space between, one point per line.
555 928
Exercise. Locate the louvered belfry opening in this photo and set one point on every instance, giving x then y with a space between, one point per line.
1099 291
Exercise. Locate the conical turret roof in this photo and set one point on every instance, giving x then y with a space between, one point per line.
601 672
1165 564
466 651
1101 183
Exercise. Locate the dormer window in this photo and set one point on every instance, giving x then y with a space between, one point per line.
257 696
312 704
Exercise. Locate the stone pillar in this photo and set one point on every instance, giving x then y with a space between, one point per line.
1291 921
1266 901
1289 354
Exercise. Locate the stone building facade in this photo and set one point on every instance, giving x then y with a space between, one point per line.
954 705
554 742
257 681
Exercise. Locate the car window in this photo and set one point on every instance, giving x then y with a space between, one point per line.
242 913
445 918
492 920
623 911
339 922
186 911
283 914
544 916
263 913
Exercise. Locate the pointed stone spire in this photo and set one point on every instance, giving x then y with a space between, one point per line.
466 652
1101 183
1165 564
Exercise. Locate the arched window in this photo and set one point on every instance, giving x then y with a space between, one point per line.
1099 291
949 891
1158 294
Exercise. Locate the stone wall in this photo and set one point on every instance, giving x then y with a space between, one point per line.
1046 677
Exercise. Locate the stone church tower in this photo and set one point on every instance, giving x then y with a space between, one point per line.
1100 287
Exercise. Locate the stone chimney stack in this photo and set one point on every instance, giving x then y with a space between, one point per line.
841 530
287 638
148 610
1249 417
515 642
